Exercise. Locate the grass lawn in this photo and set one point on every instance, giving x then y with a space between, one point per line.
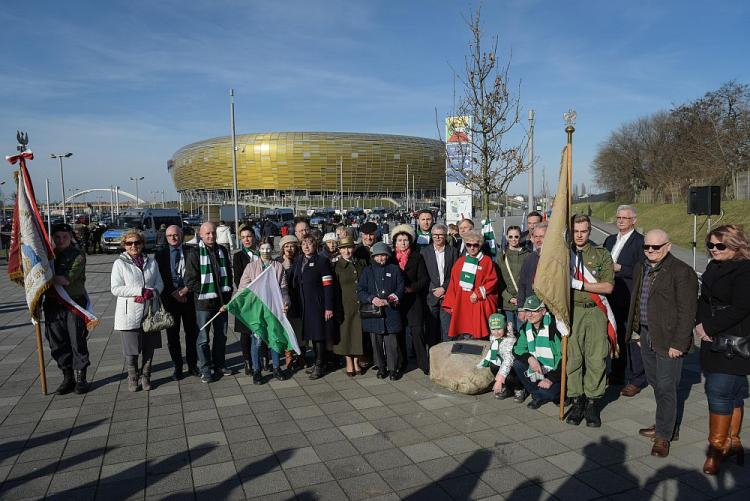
673 218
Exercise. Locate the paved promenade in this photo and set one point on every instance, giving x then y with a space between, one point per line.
335 438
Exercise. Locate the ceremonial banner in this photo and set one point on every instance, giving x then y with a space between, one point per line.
552 280
30 250
260 307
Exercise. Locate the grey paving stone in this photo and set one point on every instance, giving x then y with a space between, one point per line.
353 466
444 467
203 427
229 489
119 454
388 458
335 450
164 447
213 473
283 442
345 418
168 483
404 477
250 448
72 480
466 487
125 471
282 428
606 482
358 430
266 484
214 439
304 412
423 452
365 486
291 458
202 415
167 464
302 477
570 488
213 454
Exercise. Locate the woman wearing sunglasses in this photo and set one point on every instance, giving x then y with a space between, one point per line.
135 280
510 263
723 325
472 294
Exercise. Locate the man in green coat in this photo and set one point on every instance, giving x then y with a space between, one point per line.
592 276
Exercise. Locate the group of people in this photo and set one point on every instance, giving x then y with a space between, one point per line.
356 300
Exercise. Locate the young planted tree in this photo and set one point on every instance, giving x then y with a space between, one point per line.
493 104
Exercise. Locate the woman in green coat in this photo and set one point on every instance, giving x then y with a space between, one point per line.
348 270
510 263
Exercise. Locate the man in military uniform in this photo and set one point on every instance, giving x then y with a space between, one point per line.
94 238
65 331
592 276
82 235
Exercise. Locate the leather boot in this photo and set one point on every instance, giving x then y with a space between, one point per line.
146 376
591 413
68 383
718 442
288 359
82 386
248 368
132 379
575 415
734 435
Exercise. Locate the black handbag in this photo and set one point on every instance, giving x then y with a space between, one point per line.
729 344
369 310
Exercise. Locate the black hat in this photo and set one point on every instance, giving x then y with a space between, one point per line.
369 227
61 227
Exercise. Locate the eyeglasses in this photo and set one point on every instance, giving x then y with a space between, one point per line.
654 247
472 245
435 235
175 235
624 217
132 243
514 237
720 246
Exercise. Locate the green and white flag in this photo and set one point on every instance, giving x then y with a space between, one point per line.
261 308
489 236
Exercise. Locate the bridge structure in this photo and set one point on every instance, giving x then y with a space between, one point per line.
116 192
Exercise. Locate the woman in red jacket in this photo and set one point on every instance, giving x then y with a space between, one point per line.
472 294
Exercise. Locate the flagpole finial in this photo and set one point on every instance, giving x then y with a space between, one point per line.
570 120
23 141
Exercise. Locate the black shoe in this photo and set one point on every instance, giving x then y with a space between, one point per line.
505 393
535 404
257 378
226 371
593 420
279 374
575 416
177 374
82 386
382 374
68 383
193 371
395 375
316 374
207 378
248 368
520 396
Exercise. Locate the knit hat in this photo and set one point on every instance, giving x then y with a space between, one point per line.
330 236
532 303
403 228
497 321
60 227
288 239
380 248
346 242
369 227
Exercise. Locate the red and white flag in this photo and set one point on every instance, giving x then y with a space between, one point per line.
31 257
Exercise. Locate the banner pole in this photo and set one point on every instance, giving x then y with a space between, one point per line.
40 356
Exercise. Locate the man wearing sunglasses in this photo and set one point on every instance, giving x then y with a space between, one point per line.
626 247
661 319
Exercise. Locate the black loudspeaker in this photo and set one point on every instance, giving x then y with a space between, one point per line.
704 200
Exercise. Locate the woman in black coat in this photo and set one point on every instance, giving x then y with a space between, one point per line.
416 280
313 279
382 285
724 310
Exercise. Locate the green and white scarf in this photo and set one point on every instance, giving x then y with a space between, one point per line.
540 347
251 253
469 272
423 237
208 287
489 236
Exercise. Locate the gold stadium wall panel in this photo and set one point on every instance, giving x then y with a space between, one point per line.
299 161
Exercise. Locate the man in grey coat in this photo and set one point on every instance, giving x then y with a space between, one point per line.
439 259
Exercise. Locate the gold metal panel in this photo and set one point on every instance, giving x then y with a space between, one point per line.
288 161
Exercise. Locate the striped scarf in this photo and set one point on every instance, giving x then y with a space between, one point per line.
208 287
489 236
491 358
540 347
251 253
469 272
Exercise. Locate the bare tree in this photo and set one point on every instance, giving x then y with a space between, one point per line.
493 105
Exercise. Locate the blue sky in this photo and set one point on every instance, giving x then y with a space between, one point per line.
124 84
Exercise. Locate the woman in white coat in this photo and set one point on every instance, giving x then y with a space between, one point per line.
135 281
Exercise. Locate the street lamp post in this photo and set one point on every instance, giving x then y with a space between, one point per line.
137 196
532 207
62 179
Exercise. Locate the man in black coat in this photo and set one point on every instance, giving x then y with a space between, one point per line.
240 259
528 268
661 318
178 301
212 292
626 247
446 255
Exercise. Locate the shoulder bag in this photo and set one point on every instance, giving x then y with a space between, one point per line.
156 321
730 345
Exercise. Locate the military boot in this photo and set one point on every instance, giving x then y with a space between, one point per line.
82 386
575 415
593 420
68 383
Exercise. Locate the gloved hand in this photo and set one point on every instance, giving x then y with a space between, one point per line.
576 284
147 294
140 299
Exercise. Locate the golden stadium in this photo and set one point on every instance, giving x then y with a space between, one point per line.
310 162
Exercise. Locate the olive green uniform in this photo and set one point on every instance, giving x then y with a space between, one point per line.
588 346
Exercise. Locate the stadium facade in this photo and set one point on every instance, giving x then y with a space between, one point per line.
309 163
